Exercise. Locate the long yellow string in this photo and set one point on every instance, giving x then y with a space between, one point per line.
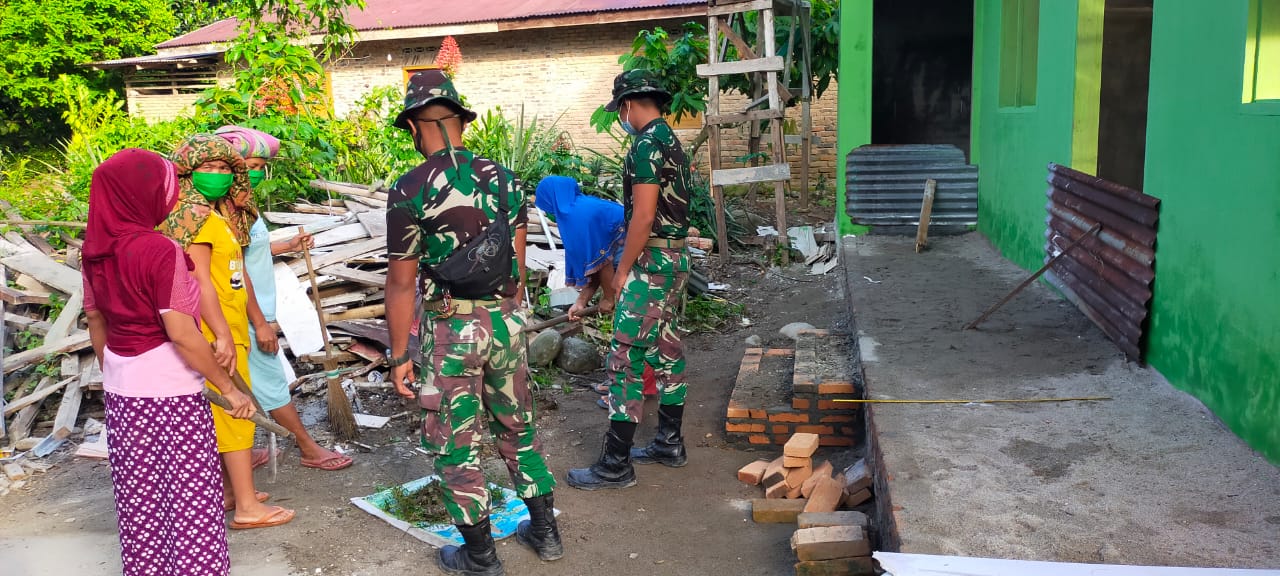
1001 401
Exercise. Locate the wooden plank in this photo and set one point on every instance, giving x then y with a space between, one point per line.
926 211
354 207
732 176
299 219
343 272
69 410
341 255
73 343
766 64
726 9
34 398
341 235
16 297
46 270
37 327
67 318
753 115
354 190
375 223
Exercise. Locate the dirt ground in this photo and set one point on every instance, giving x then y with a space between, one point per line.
1149 477
694 520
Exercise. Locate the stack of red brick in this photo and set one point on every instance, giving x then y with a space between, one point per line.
828 541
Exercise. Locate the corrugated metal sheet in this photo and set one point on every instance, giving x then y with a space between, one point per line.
1108 276
393 14
886 185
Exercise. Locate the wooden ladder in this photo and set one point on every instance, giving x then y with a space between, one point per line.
720 32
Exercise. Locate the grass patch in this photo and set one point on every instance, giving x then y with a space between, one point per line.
707 313
426 504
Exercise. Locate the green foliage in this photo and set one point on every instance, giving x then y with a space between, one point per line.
193 15
707 313
42 40
530 148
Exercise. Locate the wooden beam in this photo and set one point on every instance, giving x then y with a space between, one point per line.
343 272
67 318
37 396
926 211
770 173
75 342
754 115
341 254
46 270
766 64
69 410
744 51
14 297
726 9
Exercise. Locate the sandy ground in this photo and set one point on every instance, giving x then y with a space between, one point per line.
1149 477
694 520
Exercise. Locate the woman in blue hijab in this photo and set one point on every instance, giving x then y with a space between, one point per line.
592 231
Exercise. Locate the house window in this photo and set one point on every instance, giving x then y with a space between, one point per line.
1262 52
409 71
1019 39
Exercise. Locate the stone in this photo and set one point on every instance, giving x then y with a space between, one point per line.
545 347
578 356
776 511
838 518
26 444
830 542
754 341
793 329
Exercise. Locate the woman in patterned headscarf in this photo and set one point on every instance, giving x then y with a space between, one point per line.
211 175
266 362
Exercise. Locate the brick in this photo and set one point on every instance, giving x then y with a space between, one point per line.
836 419
846 431
757 413
836 388
779 490
789 417
796 461
797 476
803 445
857 476
779 352
783 429
839 518
830 542
851 500
836 441
780 440
816 429
795 494
826 495
15 472
753 473
801 404
758 439
826 405
774 472
820 471
776 511
857 566
737 410
743 427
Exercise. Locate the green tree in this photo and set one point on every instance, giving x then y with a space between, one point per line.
41 40
193 15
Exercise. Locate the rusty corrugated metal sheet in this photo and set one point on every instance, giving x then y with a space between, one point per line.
392 14
1108 276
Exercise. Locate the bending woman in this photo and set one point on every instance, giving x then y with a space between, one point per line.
142 304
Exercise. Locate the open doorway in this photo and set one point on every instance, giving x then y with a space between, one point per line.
1126 75
922 72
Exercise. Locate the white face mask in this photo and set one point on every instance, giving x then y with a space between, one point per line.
627 126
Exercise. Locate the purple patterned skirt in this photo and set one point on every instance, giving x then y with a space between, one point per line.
168 486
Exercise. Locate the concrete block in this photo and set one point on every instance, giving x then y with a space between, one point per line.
830 542
753 473
838 518
801 445
776 511
858 566
826 495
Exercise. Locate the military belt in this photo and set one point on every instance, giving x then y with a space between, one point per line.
446 307
665 243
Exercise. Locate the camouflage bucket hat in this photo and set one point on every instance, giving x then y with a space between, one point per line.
428 87
634 82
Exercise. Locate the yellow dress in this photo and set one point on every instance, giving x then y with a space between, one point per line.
226 270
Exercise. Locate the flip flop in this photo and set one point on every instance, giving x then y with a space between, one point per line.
331 464
260 457
601 388
229 506
601 403
275 517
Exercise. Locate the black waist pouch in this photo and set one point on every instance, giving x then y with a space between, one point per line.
483 266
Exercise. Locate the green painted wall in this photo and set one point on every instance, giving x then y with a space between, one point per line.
854 99
1018 143
1215 323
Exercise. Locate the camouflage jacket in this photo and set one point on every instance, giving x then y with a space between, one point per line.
656 157
436 208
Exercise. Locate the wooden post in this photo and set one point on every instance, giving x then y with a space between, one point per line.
713 149
926 211
806 117
775 127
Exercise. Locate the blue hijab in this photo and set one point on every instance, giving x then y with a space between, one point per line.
591 228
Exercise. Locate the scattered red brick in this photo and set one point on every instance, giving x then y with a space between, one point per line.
801 445
754 472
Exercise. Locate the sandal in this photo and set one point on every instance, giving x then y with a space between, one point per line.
260 457
229 505
275 516
331 464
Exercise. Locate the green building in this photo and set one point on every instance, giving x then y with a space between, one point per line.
1177 98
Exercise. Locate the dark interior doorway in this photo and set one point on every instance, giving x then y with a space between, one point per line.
1126 75
922 72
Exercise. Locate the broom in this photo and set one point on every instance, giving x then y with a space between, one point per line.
341 417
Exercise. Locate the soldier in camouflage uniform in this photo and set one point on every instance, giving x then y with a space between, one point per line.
650 282
474 363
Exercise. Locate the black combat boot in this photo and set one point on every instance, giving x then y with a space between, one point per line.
667 447
613 469
540 531
477 557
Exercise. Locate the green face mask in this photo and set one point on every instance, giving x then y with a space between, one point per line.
256 177
212 185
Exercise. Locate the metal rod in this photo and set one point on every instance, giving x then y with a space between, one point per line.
994 401
1032 278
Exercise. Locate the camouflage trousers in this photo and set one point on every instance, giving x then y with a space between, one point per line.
644 331
474 368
